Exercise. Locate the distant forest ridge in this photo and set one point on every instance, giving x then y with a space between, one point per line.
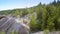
25 11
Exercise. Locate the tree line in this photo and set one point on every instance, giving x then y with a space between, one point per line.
48 17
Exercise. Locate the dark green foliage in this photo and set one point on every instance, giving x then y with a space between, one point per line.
33 23
48 16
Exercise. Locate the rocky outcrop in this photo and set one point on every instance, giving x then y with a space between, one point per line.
10 24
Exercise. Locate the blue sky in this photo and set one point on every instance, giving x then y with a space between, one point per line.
13 4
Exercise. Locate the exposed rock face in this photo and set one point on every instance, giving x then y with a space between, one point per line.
10 24
2 16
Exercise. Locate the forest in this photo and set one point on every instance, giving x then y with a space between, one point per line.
47 16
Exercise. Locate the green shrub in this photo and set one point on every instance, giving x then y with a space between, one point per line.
33 23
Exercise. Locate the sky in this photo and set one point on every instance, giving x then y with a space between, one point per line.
13 4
